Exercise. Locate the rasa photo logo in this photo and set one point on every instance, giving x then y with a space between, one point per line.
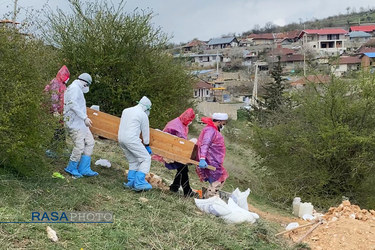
71 217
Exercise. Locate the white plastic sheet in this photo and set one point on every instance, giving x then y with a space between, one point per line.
103 163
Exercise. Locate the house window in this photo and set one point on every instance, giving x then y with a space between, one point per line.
195 93
206 92
333 37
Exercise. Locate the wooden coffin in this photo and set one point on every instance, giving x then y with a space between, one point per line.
163 144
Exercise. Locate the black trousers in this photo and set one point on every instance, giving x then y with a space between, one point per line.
181 179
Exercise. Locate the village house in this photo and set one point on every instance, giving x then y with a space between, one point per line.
291 62
286 38
203 91
368 61
345 64
365 28
356 39
324 41
194 46
207 60
318 79
222 43
261 39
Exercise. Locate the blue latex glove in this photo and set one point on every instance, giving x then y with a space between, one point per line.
148 149
203 163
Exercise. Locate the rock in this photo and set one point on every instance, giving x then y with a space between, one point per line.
143 199
346 203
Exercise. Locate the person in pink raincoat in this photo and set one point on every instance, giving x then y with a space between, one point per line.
211 151
55 90
180 127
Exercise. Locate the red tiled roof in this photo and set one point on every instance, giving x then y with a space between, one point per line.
365 28
312 79
203 85
290 34
366 50
291 58
194 43
349 60
265 36
282 51
323 32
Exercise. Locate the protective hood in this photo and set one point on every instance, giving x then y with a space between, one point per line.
145 103
209 122
63 74
187 116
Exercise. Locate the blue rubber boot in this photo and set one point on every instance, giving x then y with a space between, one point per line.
72 169
131 179
140 183
84 166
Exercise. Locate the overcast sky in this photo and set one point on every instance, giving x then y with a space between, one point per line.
205 19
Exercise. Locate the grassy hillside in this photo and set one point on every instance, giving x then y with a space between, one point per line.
166 221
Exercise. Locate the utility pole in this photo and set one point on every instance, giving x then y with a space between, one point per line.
217 63
15 12
304 39
254 97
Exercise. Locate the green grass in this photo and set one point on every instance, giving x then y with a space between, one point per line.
166 221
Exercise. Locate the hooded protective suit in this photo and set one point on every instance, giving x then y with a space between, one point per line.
56 89
134 120
211 147
74 116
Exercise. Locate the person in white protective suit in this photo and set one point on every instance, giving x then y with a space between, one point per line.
78 124
134 120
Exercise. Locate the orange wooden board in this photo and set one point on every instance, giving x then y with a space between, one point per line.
163 144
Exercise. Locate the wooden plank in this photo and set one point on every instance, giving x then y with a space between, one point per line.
161 143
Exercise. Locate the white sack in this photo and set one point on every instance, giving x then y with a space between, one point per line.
213 205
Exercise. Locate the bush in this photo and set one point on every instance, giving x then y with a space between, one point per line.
125 55
323 147
26 127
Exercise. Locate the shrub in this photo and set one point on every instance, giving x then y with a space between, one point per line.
26 127
322 148
125 55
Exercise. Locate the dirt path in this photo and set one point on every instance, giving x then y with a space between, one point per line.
282 220
345 227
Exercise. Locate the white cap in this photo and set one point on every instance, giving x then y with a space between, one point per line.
220 116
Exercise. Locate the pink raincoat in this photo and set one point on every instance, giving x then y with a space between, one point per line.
56 88
211 147
179 127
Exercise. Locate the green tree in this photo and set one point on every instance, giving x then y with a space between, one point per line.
26 127
274 91
125 55
322 148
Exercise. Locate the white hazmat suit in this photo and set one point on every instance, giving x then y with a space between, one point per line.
74 116
78 123
134 121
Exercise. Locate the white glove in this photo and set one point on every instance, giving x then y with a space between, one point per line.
88 122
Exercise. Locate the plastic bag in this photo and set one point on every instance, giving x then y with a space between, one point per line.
213 205
103 163
238 214
292 225
240 198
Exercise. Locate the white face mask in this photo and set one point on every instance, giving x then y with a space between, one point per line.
222 127
67 80
85 89
147 112
190 123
